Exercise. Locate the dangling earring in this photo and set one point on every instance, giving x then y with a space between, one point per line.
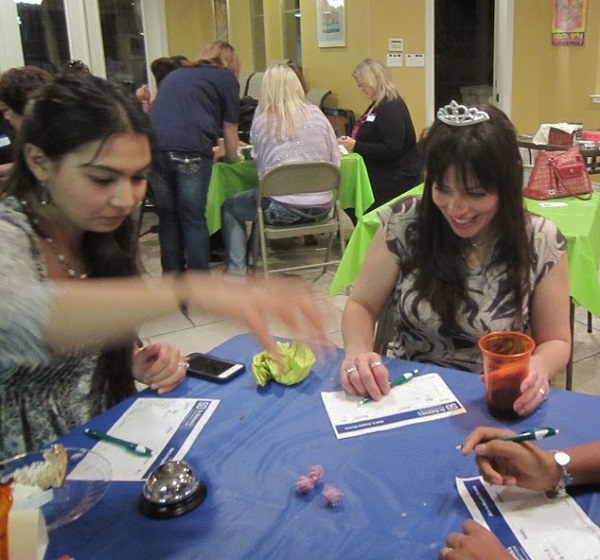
43 194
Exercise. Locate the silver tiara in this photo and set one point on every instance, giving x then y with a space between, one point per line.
459 115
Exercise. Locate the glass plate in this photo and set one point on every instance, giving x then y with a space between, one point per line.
74 497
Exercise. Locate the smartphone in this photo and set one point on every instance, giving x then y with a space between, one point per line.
212 368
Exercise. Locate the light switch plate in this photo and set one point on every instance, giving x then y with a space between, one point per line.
394 59
415 60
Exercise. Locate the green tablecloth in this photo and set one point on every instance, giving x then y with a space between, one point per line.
228 179
578 220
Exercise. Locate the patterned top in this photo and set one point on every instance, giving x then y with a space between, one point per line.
315 141
42 396
489 308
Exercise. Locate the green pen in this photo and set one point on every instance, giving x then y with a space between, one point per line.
529 435
136 448
398 381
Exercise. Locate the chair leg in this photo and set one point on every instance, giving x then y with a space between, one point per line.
589 329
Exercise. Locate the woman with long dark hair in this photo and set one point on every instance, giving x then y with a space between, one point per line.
70 292
463 260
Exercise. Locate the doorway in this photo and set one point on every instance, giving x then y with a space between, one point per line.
490 30
464 51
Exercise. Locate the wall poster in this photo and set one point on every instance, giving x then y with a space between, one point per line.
568 22
331 23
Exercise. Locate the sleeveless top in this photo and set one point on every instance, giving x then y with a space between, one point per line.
489 307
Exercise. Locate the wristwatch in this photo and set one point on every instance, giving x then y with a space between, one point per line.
562 460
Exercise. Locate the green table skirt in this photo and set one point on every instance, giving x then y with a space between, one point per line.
228 179
578 220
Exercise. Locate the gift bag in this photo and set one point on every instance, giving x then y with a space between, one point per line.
559 174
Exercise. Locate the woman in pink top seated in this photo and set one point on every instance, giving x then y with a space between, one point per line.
285 129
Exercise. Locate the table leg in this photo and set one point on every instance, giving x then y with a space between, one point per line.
569 381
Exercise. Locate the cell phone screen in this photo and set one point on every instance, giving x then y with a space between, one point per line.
215 369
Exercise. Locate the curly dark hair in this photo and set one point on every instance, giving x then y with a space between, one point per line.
488 151
62 116
17 84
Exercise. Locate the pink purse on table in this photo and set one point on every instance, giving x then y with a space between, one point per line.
559 174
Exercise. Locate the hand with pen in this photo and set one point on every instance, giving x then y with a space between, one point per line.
515 463
511 464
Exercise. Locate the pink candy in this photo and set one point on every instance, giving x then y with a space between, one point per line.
332 495
304 485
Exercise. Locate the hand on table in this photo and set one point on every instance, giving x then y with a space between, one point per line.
348 142
508 463
365 374
475 543
160 366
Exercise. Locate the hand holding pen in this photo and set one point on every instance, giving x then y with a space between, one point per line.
512 463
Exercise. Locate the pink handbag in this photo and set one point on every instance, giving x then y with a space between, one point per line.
559 174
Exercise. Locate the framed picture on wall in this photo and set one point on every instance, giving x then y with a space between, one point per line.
331 23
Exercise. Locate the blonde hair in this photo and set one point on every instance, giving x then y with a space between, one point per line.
282 99
221 54
374 74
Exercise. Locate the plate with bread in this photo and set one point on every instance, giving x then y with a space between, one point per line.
41 480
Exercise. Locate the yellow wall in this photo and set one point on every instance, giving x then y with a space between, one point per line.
190 26
550 84
553 84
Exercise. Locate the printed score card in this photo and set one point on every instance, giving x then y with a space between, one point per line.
167 426
531 525
422 399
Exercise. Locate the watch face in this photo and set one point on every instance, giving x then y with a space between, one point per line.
562 458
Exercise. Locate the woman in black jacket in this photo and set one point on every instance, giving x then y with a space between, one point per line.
384 135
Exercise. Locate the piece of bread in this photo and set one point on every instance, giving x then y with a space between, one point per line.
49 473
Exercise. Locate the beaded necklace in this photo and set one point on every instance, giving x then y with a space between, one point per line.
62 260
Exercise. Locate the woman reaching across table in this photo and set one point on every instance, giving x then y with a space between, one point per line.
384 135
525 465
464 260
70 292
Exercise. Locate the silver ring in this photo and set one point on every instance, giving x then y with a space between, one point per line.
376 364
183 364
350 370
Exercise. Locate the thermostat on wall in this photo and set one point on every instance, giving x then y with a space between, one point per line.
396 45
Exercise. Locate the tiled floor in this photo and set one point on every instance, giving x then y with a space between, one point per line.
201 332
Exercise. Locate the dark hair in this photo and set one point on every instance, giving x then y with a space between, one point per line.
180 60
61 117
488 151
161 67
17 84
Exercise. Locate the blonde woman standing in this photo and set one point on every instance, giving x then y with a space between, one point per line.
286 129
384 135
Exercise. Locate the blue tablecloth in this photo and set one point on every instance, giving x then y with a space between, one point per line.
400 499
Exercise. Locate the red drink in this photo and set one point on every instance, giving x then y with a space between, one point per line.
505 366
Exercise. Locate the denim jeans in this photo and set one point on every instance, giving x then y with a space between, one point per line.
241 208
180 186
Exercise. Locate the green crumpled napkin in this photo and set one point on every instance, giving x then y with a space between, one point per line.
297 360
